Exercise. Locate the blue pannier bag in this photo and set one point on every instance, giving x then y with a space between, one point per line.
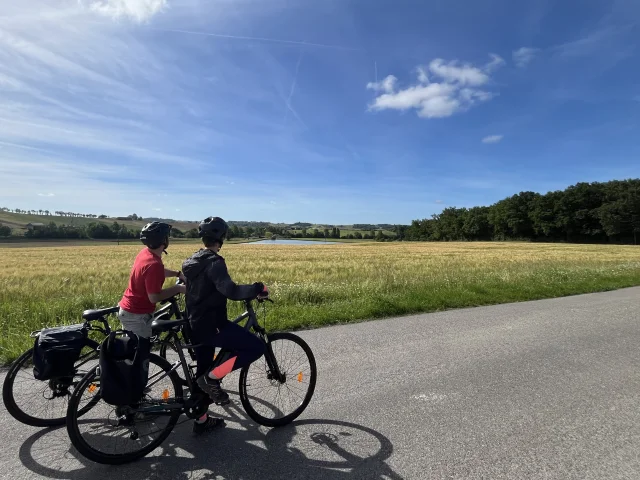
57 349
124 367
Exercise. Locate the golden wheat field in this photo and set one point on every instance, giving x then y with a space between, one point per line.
314 284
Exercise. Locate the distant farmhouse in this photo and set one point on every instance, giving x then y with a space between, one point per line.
35 226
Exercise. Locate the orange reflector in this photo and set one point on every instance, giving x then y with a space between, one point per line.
165 394
300 377
92 388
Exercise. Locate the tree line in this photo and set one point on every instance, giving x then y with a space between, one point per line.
598 212
61 213
96 230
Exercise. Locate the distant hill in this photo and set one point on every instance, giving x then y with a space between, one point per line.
18 222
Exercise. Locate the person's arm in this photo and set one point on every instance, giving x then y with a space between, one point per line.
174 273
154 279
219 275
167 293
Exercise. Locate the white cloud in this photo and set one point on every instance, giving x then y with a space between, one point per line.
386 85
46 195
138 10
492 139
451 72
423 76
456 89
158 209
523 56
496 62
438 201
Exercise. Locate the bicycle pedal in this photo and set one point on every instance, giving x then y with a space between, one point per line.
223 402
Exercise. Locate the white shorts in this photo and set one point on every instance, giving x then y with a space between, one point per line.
138 323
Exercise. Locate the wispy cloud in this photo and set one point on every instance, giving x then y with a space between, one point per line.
46 195
138 10
601 40
85 86
292 90
258 39
523 56
492 139
456 89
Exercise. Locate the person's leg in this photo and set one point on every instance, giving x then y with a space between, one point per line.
204 361
204 358
244 348
140 325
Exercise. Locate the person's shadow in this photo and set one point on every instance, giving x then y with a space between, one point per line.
305 449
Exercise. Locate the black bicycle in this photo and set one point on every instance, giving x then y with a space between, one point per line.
274 390
43 403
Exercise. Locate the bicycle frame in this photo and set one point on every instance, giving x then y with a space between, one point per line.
174 340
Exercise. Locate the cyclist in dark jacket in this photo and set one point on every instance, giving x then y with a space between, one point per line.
208 288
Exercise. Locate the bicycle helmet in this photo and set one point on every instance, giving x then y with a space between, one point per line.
155 234
213 228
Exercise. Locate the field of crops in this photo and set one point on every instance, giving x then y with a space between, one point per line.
317 284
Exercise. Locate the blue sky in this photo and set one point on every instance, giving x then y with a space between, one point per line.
337 111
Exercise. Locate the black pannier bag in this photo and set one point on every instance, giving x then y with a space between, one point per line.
57 349
124 367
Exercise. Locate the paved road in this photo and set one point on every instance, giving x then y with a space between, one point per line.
538 390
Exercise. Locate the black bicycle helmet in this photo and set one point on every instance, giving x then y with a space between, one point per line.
214 228
155 234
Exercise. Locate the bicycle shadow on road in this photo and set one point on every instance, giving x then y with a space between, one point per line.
311 448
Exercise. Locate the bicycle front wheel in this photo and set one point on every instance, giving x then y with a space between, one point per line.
275 402
114 435
43 403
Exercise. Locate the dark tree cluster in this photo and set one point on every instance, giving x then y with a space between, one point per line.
607 212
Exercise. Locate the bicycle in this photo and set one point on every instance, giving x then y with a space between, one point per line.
164 401
56 390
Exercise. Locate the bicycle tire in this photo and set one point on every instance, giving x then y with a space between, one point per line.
9 399
245 398
110 459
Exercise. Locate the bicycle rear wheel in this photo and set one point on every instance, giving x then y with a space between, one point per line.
267 400
114 435
43 403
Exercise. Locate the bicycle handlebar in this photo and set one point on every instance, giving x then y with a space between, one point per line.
180 282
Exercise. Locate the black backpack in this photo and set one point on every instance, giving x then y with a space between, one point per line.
124 367
57 349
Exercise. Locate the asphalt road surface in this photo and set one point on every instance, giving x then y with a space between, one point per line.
536 390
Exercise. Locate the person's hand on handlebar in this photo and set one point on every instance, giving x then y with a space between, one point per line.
264 293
